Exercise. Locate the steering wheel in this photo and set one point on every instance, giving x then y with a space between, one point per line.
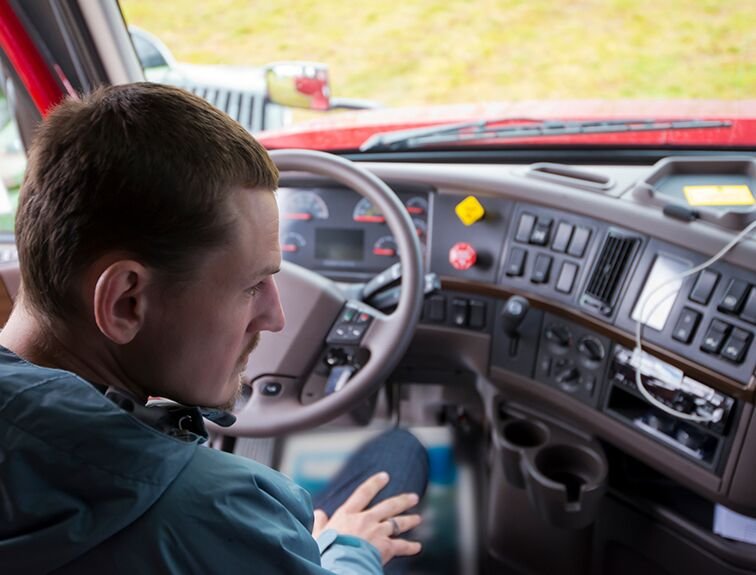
287 373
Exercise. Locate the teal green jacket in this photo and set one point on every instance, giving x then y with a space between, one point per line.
85 487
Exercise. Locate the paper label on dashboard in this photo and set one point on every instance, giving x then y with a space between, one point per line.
729 195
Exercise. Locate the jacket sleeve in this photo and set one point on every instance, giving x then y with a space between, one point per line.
227 514
346 555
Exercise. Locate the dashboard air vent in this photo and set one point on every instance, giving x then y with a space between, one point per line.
610 271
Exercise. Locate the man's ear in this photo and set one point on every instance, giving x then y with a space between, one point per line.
120 300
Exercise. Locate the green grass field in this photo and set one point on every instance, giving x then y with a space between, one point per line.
434 51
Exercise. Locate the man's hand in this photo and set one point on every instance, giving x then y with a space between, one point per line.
378 525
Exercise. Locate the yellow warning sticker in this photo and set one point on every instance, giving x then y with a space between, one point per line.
731 195
470 210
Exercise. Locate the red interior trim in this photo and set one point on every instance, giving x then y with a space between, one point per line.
26 59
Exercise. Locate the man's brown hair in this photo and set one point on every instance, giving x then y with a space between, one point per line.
140 168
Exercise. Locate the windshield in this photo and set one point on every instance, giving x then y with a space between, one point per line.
429 62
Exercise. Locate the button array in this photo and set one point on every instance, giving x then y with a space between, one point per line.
568 238
739 296
730 342
349 328
721 338
538 231
463 312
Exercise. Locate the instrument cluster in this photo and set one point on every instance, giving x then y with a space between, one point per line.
333 229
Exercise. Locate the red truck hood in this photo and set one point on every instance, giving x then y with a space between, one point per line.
348 130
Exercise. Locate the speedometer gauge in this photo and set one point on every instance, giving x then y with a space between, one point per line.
302 205
292 242
421 229
365 211
385 246
417 206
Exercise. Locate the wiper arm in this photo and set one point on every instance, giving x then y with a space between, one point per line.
483 130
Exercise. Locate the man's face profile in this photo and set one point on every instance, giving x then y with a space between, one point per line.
199 340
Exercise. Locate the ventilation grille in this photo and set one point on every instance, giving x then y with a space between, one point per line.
609 272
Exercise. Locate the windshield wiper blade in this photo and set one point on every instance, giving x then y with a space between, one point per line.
483 130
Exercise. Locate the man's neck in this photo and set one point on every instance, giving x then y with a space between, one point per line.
40 343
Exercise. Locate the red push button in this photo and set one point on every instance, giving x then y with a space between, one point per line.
462 256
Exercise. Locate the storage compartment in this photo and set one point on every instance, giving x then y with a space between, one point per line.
719 189
570 176
707 443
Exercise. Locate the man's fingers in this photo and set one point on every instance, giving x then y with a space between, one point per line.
403 524
365 493
394 506
402 547
319 522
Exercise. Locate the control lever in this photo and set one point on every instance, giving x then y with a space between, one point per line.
512 315
389 299
389 276
343 364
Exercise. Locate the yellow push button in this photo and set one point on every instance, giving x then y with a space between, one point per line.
470 210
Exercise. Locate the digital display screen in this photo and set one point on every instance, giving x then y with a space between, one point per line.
339 244
656 301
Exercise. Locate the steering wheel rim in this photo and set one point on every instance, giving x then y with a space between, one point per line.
387 337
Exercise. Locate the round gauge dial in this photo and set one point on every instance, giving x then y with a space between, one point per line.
417 206
292 242
303 206
385 246
421 228
365 211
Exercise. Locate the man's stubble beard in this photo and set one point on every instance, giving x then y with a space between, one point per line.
242 376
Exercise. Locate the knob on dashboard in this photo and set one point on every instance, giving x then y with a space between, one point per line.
591 348
558 334
513 313
567 376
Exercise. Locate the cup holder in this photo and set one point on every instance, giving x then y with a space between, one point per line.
518 435
563 472
566 482
525 433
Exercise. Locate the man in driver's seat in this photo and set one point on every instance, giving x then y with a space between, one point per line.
147 233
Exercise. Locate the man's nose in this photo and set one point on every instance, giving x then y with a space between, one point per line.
276 319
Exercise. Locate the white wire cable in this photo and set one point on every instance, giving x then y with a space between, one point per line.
642 318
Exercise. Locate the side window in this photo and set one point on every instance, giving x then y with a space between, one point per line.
12 160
